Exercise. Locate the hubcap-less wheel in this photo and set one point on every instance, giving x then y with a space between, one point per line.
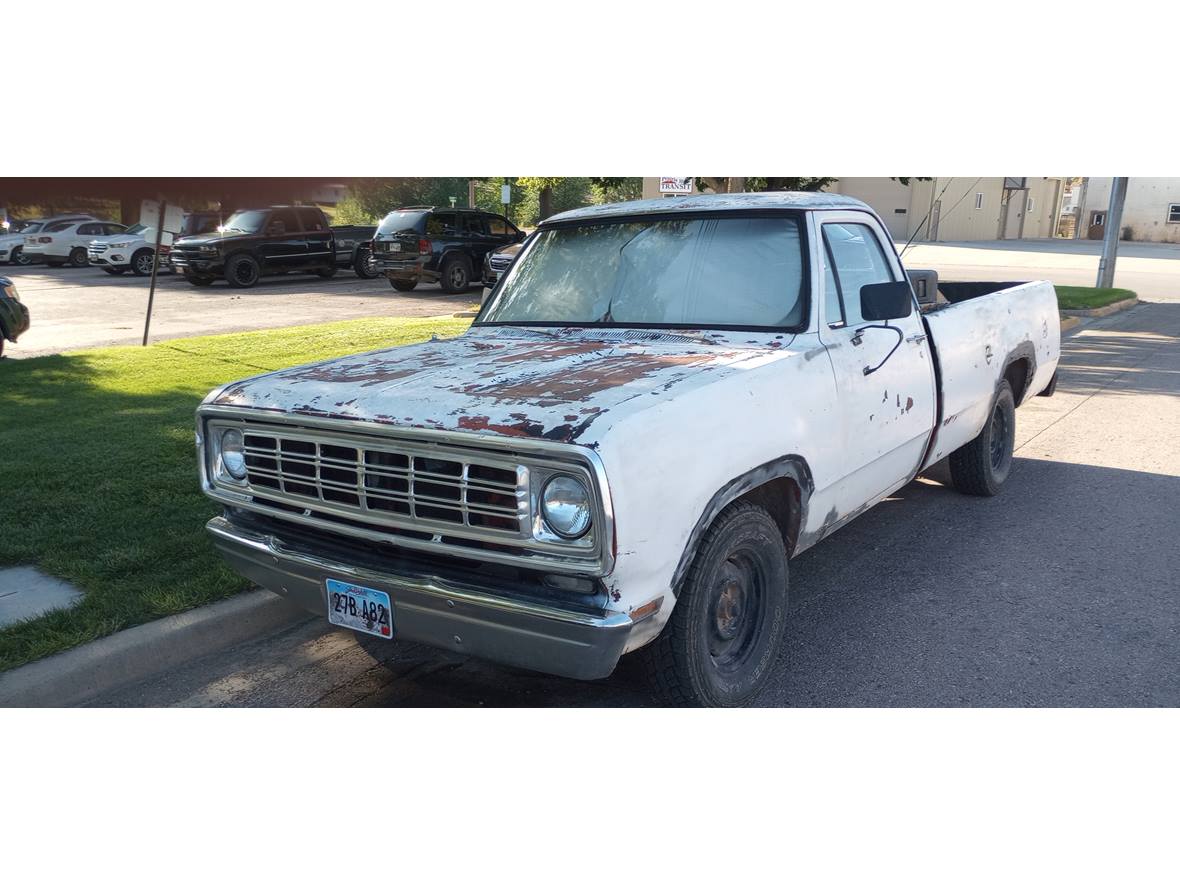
999 438
143 263
737 614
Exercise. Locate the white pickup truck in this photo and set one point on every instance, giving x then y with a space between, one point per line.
659 405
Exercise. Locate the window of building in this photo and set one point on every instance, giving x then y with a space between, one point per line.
979 201
1174 213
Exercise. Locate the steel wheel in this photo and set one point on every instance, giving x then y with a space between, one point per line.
999 437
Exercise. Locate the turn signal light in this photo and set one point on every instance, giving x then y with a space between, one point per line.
424 247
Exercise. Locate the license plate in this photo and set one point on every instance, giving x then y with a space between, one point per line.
359 608
395 247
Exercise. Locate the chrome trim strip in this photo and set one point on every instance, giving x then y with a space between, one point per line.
539 555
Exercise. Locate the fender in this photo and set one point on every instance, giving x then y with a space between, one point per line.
793 467
1023 350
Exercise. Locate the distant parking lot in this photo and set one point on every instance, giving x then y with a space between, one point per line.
84 307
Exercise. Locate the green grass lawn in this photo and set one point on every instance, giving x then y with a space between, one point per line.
1086 297
98 476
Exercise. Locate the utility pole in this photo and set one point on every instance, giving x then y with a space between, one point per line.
1110 238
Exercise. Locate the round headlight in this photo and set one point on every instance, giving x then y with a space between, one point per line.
565 504
233 453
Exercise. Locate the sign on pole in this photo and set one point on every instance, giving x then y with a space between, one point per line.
675 185
505 194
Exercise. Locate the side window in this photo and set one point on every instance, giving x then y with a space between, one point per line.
282 221
112 229
89 230
499 227
833 311
474 225
312 220
858 261
441 224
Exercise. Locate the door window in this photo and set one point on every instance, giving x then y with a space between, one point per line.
441 224
282 221
112 229
312 220
474 225
857 260
499 227
90 230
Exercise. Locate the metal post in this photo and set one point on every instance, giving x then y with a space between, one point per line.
147 320
1110 237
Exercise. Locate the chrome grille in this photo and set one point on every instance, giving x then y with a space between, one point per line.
382 481
500 262
98 248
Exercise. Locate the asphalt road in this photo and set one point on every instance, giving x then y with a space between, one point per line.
85 307
1061 591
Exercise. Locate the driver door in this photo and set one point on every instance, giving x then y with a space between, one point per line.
888 414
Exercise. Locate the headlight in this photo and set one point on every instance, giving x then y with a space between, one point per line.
10 291
118 245
565 504
209 250
233 453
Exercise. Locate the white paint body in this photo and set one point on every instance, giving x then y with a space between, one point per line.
700 408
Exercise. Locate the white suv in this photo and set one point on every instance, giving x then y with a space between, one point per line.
132 250
13 235
59 242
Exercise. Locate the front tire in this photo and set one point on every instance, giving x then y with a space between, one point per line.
404 285
242 271
142 261
727 628
19 257
114 271
981 466
199 281
78 257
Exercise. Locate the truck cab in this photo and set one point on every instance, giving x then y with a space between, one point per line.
658 406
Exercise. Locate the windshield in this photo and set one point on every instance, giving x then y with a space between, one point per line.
249 221
25 227
401 222
199 224
690 273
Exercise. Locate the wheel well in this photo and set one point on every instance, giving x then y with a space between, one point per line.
1017 376
782 499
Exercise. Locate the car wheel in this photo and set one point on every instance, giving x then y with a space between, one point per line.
142 261
404 285
199 281
364 266
725 632
78 257
455 276
242 271
54 263
326 273
18 257
981 466
114 271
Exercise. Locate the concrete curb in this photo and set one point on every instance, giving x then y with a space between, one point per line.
1125 304
1068 323
129 656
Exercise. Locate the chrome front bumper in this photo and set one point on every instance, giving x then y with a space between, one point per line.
461 617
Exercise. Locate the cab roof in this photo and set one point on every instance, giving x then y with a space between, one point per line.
714 203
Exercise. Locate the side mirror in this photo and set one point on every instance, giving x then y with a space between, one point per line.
886 301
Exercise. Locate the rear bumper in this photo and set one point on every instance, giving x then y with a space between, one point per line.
413 270
445 613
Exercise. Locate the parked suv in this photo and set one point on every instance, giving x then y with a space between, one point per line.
59 242
426 244
255 242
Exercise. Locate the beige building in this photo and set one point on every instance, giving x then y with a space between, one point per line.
948 209
1151 212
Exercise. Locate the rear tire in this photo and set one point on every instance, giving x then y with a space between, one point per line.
326 273
242 271
78 257
114 271
727 628
404 285
455 276
54 263
142 261
981 466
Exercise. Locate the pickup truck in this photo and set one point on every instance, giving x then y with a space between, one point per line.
661 403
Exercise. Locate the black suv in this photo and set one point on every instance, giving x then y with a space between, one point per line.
256 242
434 245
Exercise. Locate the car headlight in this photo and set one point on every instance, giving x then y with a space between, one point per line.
119 245
10 291
232 451
209 250
566 506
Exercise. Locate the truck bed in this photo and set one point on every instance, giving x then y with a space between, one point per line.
982 333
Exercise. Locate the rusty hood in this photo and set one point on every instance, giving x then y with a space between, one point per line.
566 385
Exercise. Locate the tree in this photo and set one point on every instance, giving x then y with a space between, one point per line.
544 189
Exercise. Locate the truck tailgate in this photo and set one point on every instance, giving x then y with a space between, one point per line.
975 340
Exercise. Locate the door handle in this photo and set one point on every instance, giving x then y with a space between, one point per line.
917 338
